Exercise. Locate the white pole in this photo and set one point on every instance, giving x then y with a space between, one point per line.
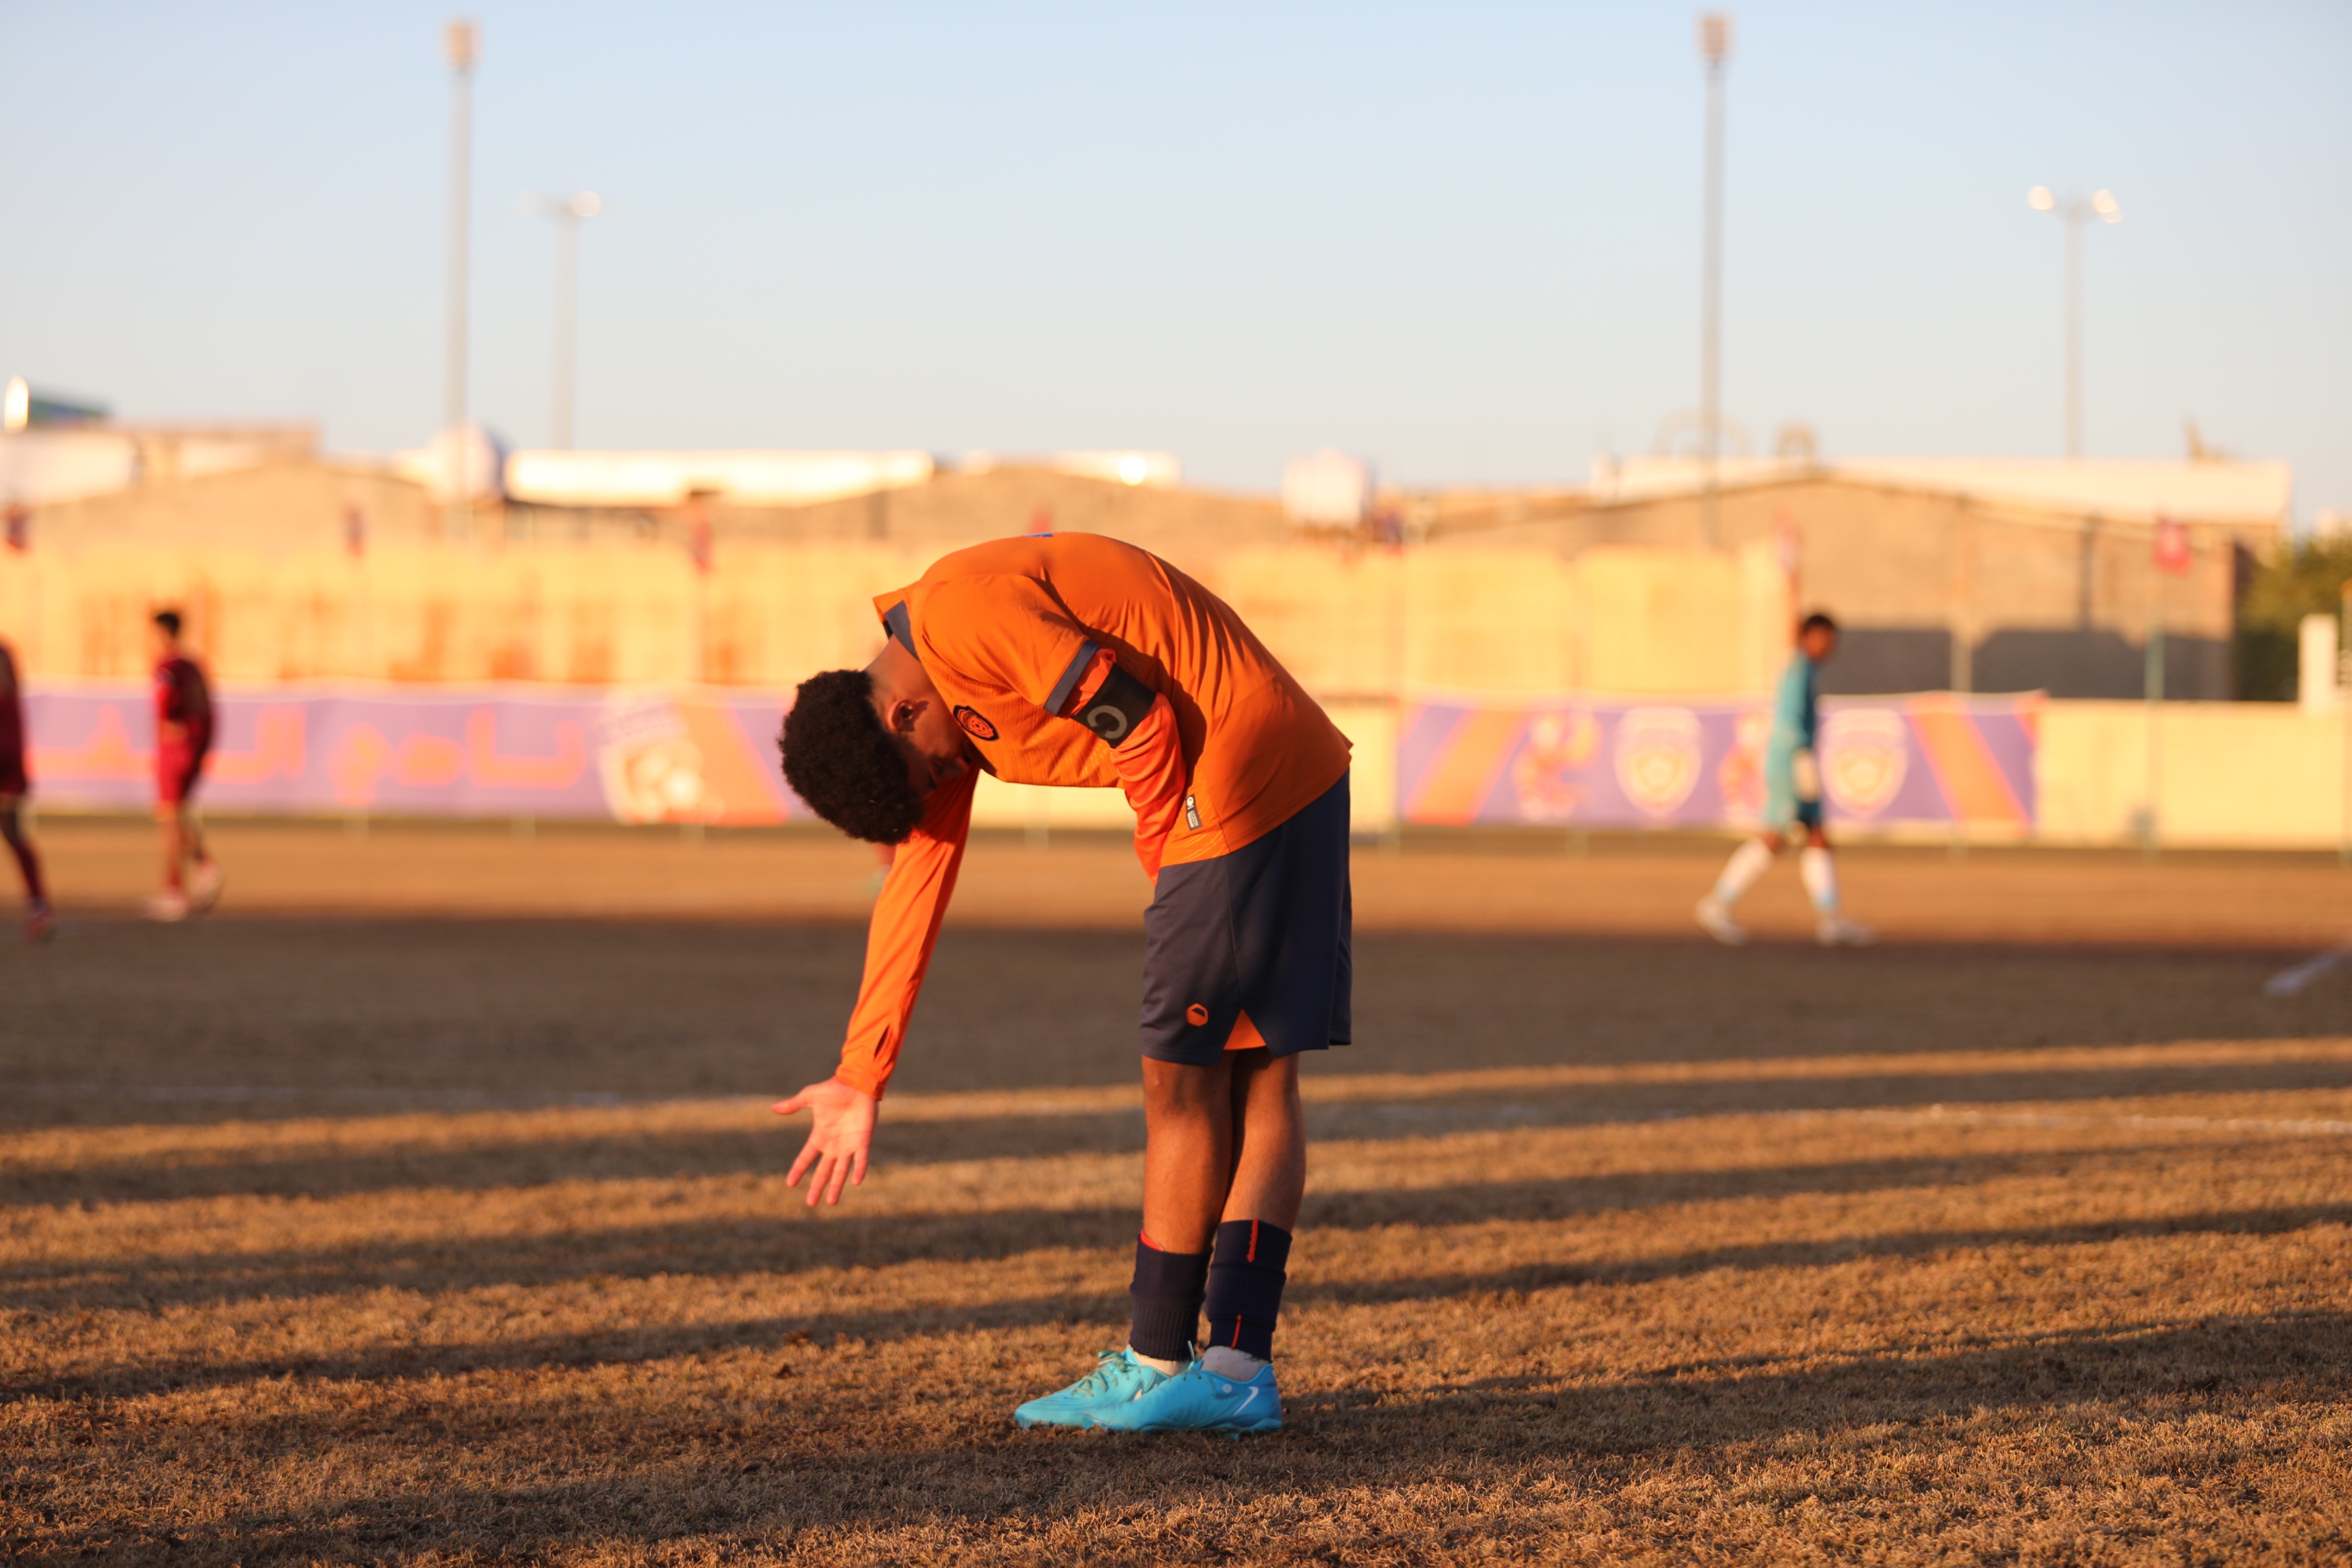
1715 44
462 41
2075 216
567 318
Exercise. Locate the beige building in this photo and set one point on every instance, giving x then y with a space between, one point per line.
1985 575
1974 576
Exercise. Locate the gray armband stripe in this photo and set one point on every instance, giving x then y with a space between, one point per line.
901 625
1069 682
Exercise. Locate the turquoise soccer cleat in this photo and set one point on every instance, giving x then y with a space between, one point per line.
1198 1400
1117 1379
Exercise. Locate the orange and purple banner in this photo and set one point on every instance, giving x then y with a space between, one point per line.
1933 757
701 756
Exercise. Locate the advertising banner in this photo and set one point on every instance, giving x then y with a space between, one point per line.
699 756
1929 758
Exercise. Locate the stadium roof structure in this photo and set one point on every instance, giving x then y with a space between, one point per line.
2235 494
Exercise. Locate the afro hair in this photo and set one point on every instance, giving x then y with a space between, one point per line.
839 759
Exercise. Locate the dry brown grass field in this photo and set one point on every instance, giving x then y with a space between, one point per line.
423 1206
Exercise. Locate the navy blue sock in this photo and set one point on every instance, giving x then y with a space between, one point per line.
1245 1275
1167 1296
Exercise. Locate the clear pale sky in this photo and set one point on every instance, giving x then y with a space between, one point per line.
1460 240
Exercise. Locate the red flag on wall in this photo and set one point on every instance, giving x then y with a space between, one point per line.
2171 545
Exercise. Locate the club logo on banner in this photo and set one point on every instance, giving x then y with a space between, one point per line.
1865 756
1739 777
651 769
1658 755
1546 775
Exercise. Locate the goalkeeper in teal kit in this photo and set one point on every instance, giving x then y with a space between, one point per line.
1792 777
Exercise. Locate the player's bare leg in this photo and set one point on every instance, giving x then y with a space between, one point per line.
1222 1142
1747 864
172 903
205 878
1188 1151
1818 865
39 924
1270 1139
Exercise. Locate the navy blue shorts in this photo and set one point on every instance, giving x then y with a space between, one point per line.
1266 930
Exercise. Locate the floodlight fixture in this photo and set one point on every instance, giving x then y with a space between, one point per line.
2040 198
2110 210
1714 37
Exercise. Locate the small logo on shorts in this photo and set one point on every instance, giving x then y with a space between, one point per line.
975 723
1196 1015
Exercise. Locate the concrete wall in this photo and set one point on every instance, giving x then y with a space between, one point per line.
2249 774
1350 623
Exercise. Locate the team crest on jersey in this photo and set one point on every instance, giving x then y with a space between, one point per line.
1657 757
973 723
1865 753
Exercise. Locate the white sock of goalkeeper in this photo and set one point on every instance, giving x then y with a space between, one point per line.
1819 869
1747 862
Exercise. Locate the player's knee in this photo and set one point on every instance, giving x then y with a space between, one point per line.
1183 1089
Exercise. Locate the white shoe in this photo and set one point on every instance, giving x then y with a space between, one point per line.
166 907
1836 930
1715 918
204 889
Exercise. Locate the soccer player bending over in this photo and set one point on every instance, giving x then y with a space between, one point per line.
15 785
1077 661
1792 799
184 734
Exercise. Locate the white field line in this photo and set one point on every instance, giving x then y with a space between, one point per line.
2291 982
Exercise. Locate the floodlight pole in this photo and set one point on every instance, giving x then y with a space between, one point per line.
461 41
567 213
2152 843
1714 46
2075 210
2073 329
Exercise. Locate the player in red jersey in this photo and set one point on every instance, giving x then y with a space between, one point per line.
16 784
184 734
1080 661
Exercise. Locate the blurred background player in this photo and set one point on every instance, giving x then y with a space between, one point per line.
16 784
1080 661
1792 777
184 734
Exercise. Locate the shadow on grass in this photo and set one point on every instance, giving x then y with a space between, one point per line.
766 1145
1504 1286
794 1239
696 1478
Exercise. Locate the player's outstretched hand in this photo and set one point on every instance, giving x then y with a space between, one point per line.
839 1144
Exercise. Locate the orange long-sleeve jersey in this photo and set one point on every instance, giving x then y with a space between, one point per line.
1017 636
